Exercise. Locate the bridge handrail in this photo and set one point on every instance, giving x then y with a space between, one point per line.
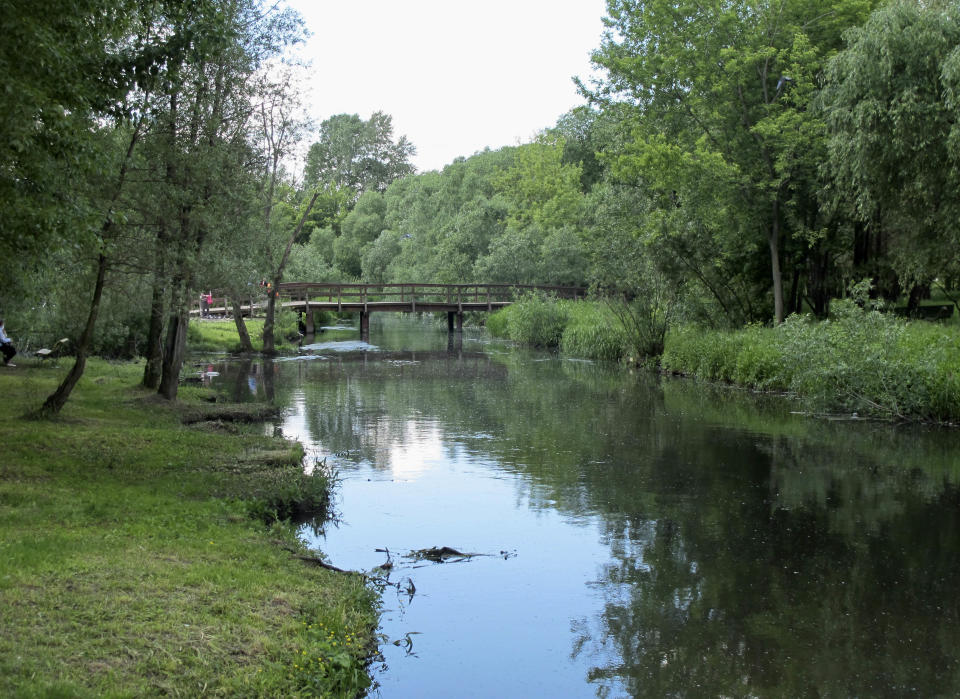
409 291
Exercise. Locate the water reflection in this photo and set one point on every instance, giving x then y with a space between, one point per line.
671 539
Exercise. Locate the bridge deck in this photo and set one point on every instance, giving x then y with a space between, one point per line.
402 298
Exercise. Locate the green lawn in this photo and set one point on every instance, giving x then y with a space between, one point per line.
134 557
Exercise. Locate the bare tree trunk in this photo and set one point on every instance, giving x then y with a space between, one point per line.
58 398
173 351
153 370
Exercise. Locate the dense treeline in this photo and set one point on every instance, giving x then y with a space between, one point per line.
736 162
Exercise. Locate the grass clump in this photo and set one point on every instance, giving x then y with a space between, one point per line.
130 564
859 361
609 330
594 332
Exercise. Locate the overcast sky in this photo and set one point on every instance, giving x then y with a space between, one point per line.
457 76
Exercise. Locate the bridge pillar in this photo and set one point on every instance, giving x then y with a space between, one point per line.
460 322
451 315
364 326
308 321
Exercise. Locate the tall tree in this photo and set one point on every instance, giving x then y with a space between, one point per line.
358 155
893 106
727 84
202 144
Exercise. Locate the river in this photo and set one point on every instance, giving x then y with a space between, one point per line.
641 536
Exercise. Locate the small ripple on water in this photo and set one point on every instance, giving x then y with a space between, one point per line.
342 346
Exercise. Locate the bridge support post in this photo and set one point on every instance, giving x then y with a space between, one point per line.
308 321
364 326
454 316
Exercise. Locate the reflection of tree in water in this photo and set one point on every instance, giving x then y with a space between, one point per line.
722 591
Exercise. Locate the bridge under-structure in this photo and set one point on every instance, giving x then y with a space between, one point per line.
365 299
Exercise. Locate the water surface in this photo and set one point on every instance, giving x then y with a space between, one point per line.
641 536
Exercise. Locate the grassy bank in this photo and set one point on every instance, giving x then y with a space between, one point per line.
859 361
136 558
211 335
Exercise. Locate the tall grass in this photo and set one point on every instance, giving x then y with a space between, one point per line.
859 361
579 328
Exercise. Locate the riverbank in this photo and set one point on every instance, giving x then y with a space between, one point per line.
135 557
859 361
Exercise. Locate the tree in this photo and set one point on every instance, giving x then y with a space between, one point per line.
892 102
64 65
727 84
357 155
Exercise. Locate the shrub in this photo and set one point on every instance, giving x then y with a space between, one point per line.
497 324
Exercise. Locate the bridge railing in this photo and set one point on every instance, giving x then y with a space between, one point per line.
419 293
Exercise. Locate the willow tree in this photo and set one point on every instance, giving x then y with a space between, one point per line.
893 107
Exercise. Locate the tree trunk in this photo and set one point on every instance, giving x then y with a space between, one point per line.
153 370
173 353
269 347
795 298
58 398
245 345
774 240
268 343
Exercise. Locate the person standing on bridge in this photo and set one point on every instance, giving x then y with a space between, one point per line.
6 346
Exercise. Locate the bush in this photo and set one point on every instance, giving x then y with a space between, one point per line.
497 324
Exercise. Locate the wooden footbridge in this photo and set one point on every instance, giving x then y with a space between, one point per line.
364 299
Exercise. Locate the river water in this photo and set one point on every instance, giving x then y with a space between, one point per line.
641 536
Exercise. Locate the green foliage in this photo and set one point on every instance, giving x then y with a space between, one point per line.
718 131
533 320
862 361
357 155
891 103
593 332
536 321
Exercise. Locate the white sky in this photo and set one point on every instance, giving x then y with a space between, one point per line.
457 76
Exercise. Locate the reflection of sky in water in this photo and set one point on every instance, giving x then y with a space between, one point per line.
496 625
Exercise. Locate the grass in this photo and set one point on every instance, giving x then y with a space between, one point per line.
135 558
210 335
589 329
858 361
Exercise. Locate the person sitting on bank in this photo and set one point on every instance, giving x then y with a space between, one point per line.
6 346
